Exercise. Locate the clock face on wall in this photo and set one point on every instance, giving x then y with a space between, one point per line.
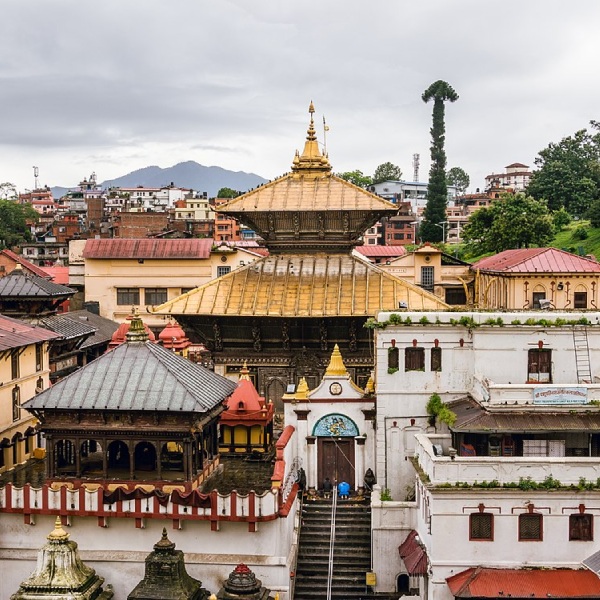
335 388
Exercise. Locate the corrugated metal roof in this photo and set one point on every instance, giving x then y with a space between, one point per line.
413 555
148 248
482 582
15 334
472 417
67 327
375 250
293 192
26 264
22 285
593 562
137 376
537 260
302 285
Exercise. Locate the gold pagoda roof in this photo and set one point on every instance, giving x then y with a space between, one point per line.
302 285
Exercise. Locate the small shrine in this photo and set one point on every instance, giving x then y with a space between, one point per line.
60 573
173 338
247 424
242 584
139 413
334 420
165 576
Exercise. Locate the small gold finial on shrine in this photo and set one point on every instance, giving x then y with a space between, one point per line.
58 533
336 364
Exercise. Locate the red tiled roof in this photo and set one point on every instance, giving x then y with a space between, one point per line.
29 266
483 582
246 405
413 555
58 274
514 165
148 248
376 250
537 260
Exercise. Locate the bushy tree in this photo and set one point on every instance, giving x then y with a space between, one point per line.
228 193
593 213
512 221
561 218
13 223
387 172
356 177
437 189
568 172
459 179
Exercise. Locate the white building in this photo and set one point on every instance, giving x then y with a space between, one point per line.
511 480
515 177
414 192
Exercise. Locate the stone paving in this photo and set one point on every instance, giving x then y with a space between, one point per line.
240 474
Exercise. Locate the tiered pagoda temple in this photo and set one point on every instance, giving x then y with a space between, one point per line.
283 314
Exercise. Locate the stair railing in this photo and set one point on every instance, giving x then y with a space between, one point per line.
332 542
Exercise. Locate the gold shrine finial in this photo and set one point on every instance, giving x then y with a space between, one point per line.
370 387
302 389
58 534
311 161
336 364
136 332
244 372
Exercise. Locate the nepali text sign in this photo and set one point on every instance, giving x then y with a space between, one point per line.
560 395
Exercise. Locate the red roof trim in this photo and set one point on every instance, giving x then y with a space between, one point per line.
484 582
537 260
26 264
148 248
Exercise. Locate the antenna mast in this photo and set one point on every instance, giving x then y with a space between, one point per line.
416 166
36 172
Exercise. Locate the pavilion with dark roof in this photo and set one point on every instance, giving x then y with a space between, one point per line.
137 413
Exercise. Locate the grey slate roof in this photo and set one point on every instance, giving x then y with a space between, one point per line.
104 327
19 284
135 377
67 327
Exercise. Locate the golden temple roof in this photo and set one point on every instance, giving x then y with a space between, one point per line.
302 285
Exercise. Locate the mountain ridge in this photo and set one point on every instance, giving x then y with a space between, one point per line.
186 174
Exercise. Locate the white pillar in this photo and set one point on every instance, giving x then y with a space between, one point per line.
359 463
311 462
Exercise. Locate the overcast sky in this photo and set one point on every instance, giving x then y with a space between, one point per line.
118 85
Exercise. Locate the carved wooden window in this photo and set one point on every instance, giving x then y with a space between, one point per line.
436 359
581 528
481 527
539 362
414 359
531 527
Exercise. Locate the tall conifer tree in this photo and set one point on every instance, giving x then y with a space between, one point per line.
437 189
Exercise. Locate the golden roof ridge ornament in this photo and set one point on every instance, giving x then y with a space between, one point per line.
58 534
312 161
302 389
336 364
244 372
137 332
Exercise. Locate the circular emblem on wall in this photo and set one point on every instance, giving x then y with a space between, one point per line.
335 388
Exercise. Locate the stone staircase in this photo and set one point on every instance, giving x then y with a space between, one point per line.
352 550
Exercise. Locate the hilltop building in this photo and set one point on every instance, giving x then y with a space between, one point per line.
516 177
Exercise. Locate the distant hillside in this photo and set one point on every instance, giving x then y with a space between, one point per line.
188 174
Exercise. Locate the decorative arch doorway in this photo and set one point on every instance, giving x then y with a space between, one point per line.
335 449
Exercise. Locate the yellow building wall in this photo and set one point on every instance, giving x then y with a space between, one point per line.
104 276
27 382
515 292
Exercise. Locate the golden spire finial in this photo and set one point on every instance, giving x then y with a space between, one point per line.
336 364
58 533
244 372
302 389
311 161
370 387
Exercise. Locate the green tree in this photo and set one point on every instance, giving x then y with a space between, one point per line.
593 213
387 172
228 193
437 189
568 173
458 178
356 177
13 223
561 218
512 221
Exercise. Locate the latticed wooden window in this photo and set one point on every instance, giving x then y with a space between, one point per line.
414 359
436 359
530 527
393 358
581 528
481 526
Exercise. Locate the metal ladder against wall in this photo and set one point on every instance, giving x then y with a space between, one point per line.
582 354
